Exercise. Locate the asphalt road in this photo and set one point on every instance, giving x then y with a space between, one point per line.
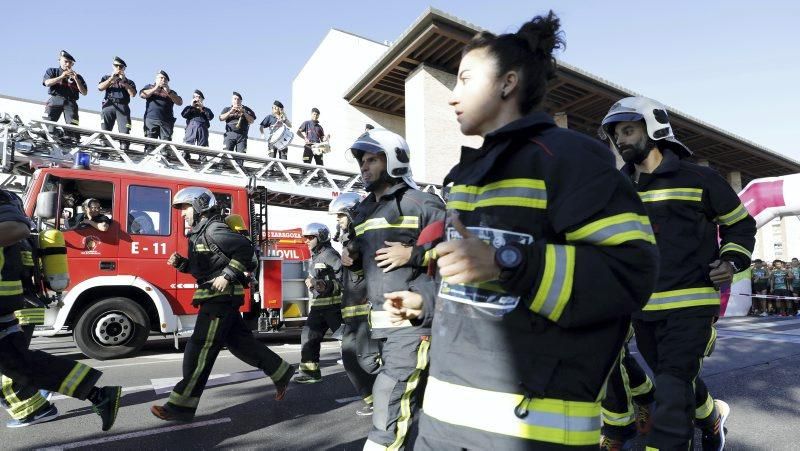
755 368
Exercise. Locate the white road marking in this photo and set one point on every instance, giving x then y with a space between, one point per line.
770 336
348 400
138 434
165 385
759 325
124 390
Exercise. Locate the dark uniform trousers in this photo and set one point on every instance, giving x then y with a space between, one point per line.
121 114
627 384
158 129
219 324
320 319
18 399
282 154
56 106
30 368
361 356
196 134
397 392
235 142
674 349
308 154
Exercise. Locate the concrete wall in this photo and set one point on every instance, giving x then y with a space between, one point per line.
432 132
335 66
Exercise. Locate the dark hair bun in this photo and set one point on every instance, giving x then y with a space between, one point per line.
543 34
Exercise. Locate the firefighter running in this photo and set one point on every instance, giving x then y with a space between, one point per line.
547 253
25 370
360 353
219 259
393 214
688 206
324 312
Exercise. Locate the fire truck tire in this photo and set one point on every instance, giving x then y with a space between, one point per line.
112 328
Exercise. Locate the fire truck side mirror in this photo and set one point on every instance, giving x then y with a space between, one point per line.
46 205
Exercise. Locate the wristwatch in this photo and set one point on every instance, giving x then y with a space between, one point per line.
508 258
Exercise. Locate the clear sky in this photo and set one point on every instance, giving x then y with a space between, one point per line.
733 63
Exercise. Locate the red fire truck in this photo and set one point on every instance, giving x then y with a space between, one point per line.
121 289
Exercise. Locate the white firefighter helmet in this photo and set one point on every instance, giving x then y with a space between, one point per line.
655 118
344 204
318 230
201 199
398 155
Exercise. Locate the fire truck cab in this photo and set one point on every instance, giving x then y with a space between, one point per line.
121 288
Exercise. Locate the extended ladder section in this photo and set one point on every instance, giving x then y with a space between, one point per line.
39 143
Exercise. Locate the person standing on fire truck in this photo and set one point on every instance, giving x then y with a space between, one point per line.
325 283
360 353
393 215
219 259
30 368
64 86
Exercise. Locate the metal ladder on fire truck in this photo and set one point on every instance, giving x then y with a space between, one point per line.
24 146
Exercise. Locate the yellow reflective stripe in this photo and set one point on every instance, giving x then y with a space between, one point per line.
368 399
736 215
658 195
615 230
355 310
10 288
73 379
526 193
711 341
30 316
428 256
27 258
403 222
2 257
199 247
704 410
644 388
186 399
280 372
404 420
733 247
555 287
237 266
17 408
309 366
549 420
232 290
318 302
690 297
320 266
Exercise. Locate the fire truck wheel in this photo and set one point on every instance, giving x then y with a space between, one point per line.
112 328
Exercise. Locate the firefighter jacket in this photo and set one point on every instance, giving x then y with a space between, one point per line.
398 216
33 311
326 272
11 267
354 288
523 360
214 250
688 205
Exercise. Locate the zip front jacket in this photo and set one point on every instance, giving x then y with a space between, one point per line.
688 205
521 362
326 270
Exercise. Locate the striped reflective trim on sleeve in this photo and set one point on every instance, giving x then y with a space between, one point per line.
690 297
575 423
658 195
555 287
27 258
404 222
614 230
206 293
735 215
235 264
200 247
10 287
320 302
733 247
355 310
30 316
526 193
320 266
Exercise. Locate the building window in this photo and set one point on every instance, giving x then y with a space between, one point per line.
149 210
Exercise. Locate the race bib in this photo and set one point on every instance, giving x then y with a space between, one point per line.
487 297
